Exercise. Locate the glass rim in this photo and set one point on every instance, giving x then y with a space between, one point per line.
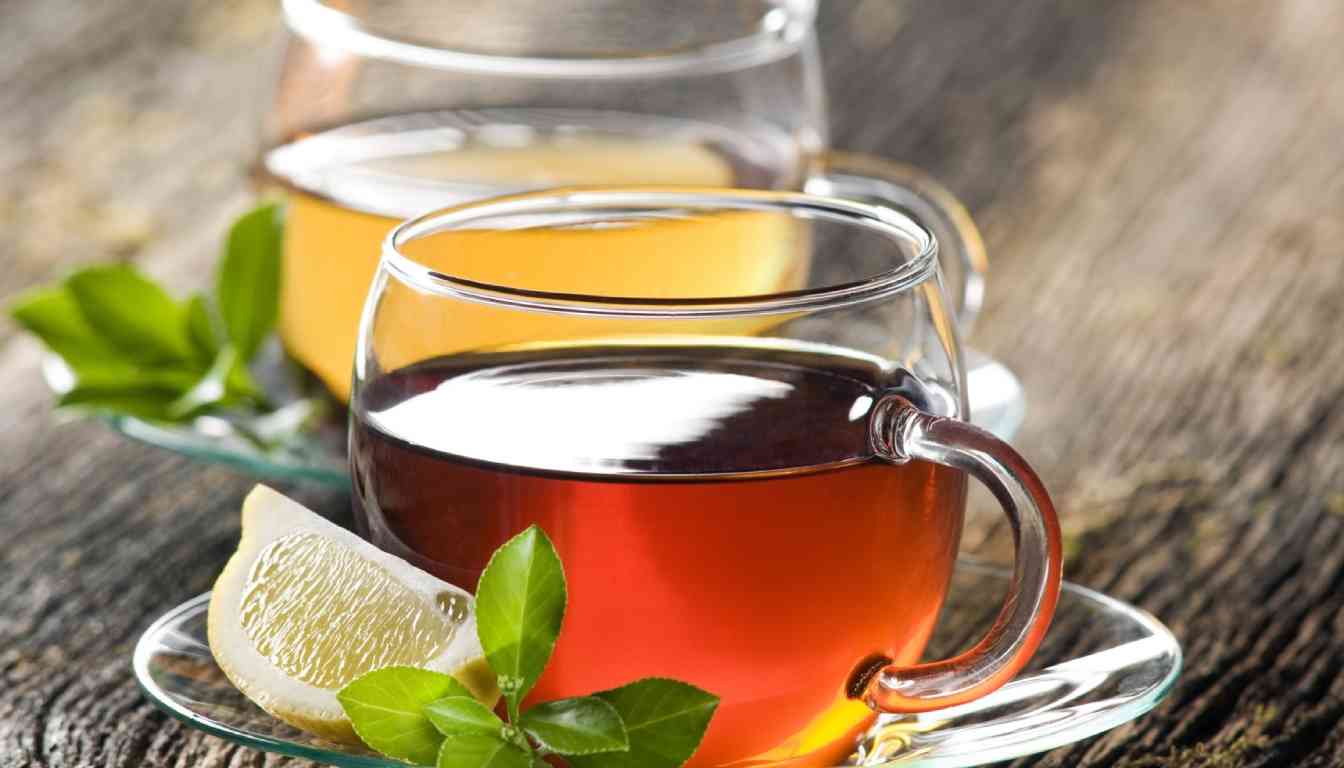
889 222
779 32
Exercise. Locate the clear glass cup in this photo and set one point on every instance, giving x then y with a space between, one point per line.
759 491
384 110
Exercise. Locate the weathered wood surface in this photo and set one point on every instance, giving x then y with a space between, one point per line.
1161 184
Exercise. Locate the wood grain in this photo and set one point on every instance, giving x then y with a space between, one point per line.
1161 185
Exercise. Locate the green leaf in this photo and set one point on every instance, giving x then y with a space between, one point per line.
474 750
211 389
145 403
664 720
132 313
201 329
226 384
146 393
132 348
105 380
463 714
580 726
241 386
247 285
171 381
386 708
520 603
53 315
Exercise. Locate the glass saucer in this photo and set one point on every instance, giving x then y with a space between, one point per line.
997 404
1103 663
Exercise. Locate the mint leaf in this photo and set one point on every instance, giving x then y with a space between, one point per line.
241 386
580 726
462 714
132 313
474 750
386 708
53 315
520 603
119 388
247 285
172 381
105 380
238 382
145 403
212 388
664 721
201 329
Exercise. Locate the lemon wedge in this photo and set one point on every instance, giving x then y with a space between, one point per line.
305 606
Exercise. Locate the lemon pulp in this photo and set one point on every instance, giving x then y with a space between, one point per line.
356 618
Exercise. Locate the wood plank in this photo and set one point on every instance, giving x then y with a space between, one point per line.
1160 184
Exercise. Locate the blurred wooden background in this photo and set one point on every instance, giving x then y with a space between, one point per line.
1161 186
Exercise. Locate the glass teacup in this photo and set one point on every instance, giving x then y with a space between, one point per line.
759 492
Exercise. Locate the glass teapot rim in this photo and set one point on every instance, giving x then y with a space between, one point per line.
778 31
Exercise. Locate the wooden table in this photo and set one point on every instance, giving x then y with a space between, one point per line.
1161 185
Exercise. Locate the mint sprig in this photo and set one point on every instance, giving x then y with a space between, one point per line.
428 718
133 349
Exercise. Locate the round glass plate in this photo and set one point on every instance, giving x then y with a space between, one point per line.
1103 663
318 455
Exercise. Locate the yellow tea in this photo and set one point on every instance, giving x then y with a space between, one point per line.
349 186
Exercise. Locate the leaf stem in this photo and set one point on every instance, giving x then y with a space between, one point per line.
517 737
511 701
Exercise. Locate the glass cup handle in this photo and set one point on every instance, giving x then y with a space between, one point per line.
871 179
900 432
